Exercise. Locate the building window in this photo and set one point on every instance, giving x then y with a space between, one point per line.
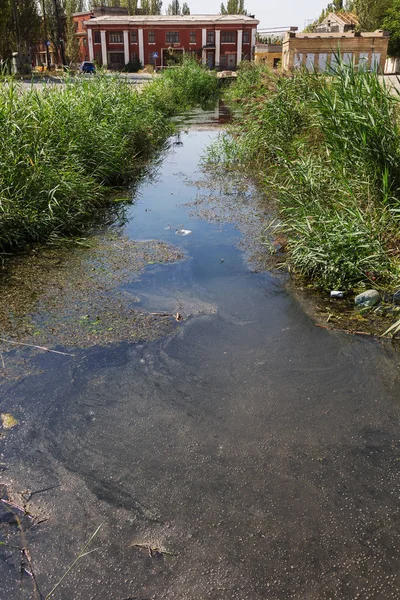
192 37
115 59
210 37
151 37
133 37
84 41
116 37
97 37
228 37
277 63
76 25
246 37
172 37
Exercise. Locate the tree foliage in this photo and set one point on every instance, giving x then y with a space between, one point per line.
130 5
233 7
19 30
391 23
151 7
371 13
175 8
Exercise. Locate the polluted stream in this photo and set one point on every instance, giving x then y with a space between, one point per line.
226 446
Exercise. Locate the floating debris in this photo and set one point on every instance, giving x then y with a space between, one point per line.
183 232
8 421
77 296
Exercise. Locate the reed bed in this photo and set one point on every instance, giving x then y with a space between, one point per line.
327 147
64 146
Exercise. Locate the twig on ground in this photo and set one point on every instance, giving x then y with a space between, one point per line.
34 346
2 360
29 498
349 331
81 554
31 573
16 506
154 550
177 316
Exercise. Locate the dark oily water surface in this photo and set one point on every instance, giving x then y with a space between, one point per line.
246 455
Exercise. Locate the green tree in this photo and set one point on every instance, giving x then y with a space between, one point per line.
151 7
391 23
233 7
6 33
56 25
174 8
371 13
71 40
19 30
131 5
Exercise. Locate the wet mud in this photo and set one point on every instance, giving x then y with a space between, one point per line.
72 296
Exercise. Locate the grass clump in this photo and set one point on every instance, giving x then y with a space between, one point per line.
328 147
63 147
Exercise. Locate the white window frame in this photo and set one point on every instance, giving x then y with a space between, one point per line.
115 33
174 34
232 33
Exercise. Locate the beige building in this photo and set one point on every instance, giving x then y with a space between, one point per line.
269 54
316 51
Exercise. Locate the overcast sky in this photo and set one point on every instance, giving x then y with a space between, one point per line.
270 13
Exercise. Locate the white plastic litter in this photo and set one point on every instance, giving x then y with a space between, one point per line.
337 294
183 232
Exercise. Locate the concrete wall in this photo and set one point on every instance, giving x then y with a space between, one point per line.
268 55
316 50
392 65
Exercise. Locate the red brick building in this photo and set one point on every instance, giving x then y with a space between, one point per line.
220 41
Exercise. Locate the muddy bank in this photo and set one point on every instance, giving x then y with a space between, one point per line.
227 197
73 295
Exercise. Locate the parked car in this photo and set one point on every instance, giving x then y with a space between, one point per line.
87 67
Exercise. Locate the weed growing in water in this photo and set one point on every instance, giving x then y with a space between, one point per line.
62 147
328 148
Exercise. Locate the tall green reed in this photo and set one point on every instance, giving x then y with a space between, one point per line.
327 147
62 147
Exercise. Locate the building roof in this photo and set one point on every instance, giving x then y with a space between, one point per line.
172 20
262 48
346 18
337 35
